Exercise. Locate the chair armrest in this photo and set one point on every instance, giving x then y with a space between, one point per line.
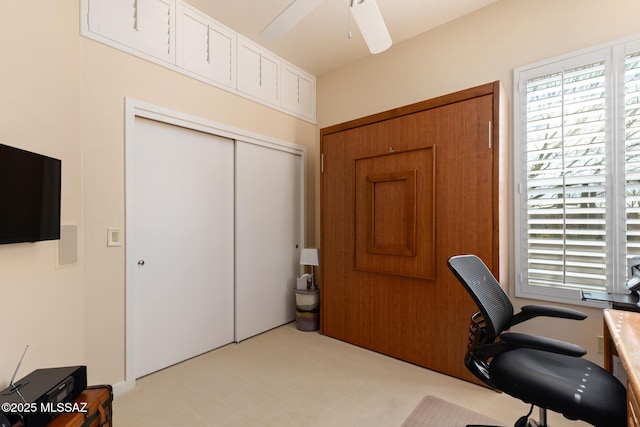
542 343
530 311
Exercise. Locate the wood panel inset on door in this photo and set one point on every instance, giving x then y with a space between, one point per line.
394 207
390 212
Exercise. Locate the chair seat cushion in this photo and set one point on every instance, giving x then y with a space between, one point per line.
572 386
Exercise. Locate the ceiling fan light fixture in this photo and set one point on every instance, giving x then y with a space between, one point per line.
369 19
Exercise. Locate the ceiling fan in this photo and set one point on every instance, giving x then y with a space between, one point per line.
365 12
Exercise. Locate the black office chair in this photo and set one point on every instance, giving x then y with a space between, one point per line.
543 372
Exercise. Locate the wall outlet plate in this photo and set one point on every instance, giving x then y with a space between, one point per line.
114 237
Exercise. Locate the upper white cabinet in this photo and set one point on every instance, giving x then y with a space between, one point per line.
205 47
176 35
155 25
115 20
298 91
144 25
258 72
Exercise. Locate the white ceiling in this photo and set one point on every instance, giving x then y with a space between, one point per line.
320 43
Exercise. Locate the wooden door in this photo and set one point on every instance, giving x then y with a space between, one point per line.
385 282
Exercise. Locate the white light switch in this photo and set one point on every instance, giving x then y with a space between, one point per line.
114 237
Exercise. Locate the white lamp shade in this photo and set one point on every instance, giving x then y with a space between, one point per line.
309 256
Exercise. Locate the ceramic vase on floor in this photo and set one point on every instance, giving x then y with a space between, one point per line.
307 309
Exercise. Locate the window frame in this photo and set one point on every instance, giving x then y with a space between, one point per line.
613 53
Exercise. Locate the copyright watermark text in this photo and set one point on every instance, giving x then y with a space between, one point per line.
48 407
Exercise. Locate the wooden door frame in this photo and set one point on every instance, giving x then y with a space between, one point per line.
138 109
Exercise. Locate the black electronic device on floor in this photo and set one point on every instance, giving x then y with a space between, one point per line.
35 398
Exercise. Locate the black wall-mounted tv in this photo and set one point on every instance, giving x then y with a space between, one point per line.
30 187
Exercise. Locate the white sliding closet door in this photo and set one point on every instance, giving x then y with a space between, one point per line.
268 236
184 241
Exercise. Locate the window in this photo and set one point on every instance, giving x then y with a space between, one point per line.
577 171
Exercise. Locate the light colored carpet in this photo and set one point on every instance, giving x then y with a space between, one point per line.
290 378
435 412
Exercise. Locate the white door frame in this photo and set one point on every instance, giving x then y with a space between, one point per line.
133 109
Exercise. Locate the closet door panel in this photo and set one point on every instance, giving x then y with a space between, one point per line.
183 244
268 237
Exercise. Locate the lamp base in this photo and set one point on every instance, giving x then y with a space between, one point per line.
307 321
307 310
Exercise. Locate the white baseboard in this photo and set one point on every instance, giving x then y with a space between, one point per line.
120 388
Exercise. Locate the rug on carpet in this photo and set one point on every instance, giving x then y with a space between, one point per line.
435 412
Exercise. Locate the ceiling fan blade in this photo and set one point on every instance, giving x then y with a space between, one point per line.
288 18
369 19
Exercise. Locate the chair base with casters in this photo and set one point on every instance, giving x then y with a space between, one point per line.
523 421
543 372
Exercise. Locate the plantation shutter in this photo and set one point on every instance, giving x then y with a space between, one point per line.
632 152
566 176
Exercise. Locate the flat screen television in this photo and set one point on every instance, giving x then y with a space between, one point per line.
30 186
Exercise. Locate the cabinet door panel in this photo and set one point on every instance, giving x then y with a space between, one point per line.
114 19
298 91
144 25
258 72
206 48
155 26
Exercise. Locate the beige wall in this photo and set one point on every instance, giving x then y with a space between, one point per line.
479 48
42 305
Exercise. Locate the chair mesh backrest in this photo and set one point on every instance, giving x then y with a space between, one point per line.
485 290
